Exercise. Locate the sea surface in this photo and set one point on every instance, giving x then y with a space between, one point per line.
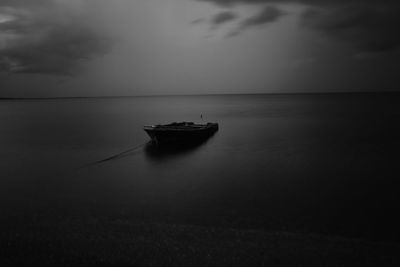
326 163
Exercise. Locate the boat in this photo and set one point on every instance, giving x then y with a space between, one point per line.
180 132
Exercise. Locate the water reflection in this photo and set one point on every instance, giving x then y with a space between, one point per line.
167 151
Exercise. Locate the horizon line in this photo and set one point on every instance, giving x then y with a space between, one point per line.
216 94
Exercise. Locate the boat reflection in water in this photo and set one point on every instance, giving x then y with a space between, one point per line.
177 138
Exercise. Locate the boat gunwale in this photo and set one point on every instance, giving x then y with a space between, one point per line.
189 127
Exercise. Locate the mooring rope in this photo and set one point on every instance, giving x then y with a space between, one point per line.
115 156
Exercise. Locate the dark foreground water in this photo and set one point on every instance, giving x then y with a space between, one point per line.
325 164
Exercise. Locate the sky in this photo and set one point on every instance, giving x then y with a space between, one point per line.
63 48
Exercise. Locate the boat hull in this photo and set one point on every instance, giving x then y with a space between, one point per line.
163 134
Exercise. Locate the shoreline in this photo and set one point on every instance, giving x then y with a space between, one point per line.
103 242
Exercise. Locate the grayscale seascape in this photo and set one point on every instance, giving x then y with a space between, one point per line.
199 133
324 164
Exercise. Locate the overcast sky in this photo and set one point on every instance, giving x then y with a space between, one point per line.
51 48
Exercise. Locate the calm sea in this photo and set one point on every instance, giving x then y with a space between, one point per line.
324 164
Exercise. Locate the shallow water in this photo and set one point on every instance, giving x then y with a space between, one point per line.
304 163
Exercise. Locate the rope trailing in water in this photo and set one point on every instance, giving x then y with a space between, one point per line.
116 156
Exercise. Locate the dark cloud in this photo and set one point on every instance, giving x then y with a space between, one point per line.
42 37
198 21
306 2
233 2
222 18
369 28
267 15
369 25
25 3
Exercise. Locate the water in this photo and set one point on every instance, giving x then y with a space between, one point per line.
324 164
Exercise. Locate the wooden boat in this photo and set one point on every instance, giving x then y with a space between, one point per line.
180 132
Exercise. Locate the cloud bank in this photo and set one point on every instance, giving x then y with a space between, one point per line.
268 15
368 25
222 18
47 36
368 28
